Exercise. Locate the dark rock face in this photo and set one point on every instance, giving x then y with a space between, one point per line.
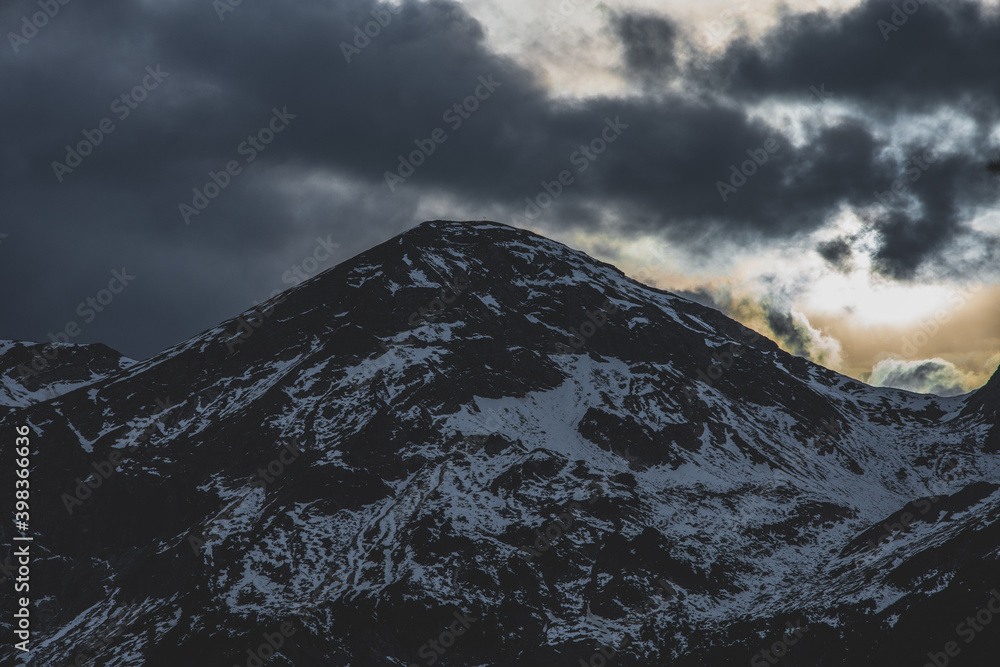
471 445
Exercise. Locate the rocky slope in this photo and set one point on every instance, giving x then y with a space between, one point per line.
472 445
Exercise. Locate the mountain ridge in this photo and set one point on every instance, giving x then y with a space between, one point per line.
449 406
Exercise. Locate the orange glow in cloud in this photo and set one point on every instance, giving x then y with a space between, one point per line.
850 323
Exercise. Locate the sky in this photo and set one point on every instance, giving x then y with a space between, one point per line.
816 170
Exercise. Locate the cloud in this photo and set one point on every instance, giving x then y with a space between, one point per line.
787 330
928 376
700 295
691 125
881 76
649 42
837 252
893 74
791 329
775 318
120 205
819 346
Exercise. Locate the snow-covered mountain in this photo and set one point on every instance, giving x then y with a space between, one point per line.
34 372
472 445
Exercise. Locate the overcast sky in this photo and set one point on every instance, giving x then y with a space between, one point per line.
649 106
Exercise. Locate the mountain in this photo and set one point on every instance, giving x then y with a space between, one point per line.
33 372
471 445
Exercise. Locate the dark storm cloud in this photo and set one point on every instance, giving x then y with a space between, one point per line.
649 43
940 54
885 61
704 168
907 240
665 161
222 79
909 236
837 252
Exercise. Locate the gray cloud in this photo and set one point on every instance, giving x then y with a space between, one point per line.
650 42
929 376
702 296
795 339
881 70
837 252
325 173
850 56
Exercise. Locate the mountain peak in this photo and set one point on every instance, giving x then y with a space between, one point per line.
466 224
473 393
461 231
